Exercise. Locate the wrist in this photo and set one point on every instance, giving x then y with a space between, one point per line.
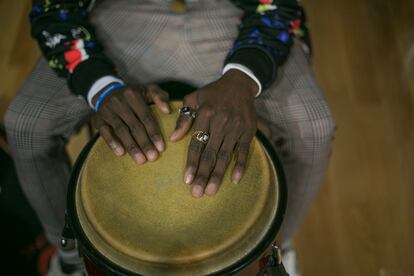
96 96
99 85
104 92
240 79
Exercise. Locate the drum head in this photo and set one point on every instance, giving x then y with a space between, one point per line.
143 218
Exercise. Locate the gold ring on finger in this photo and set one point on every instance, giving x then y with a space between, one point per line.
201 136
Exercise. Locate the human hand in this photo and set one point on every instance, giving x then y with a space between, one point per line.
225 110
126 123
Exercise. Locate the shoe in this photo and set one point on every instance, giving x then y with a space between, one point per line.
57 267
290 261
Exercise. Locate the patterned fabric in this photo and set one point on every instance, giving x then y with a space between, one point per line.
265 36
45 113
67 40
69 43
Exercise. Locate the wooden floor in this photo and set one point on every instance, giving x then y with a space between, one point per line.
362 222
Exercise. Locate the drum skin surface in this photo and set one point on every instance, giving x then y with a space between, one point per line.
144 219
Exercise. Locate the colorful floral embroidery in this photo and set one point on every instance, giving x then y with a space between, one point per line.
73 43
75 55
67 38
265 5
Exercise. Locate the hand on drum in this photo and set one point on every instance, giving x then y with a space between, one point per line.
224 110
126 123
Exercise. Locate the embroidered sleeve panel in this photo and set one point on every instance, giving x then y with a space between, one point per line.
69 43
266 35
67 39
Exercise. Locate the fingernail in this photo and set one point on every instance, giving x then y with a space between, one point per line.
152 155
236 177
139 158
174 135
197 191
188 176
165 108
211 189
159 145
119 151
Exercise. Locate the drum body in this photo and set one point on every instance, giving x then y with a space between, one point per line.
142 220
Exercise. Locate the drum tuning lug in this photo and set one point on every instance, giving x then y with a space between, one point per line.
274 266
276 254
66 234
63 242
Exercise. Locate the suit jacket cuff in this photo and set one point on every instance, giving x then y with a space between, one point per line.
259 61
87 72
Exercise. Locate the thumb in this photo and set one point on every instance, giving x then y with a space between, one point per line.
185 120
159 97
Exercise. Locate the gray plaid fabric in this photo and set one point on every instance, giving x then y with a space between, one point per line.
149 43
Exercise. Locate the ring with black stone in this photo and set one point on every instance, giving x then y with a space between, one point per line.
187 111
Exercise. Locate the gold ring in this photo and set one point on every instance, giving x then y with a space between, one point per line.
201 136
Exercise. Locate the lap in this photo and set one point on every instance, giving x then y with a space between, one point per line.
295 109
44 107
162 45
150 44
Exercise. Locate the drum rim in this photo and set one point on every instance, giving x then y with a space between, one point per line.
107 265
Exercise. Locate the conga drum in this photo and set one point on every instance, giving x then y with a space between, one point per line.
131 219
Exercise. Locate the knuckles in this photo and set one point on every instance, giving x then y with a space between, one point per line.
206 111
137 127
188 99
155 137
223 156
132 149
244 147
237 121
195 147
208 155
120 128
146 146
147 118
129 93
201 179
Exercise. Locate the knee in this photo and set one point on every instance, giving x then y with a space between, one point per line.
319 131
323 129
22 128
10 121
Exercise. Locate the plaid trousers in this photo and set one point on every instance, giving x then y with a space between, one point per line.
149 43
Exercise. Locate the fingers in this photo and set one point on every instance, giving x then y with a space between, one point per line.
194 152
111 140
208 157
150 125
122 132
223 159
184 122
207 164
127 124
138 133
106 132
242 153
159 97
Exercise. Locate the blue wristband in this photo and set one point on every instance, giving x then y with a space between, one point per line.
108 91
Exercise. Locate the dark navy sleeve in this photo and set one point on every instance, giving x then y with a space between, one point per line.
265 36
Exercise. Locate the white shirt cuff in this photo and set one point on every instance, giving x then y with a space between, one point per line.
99 85
245 70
